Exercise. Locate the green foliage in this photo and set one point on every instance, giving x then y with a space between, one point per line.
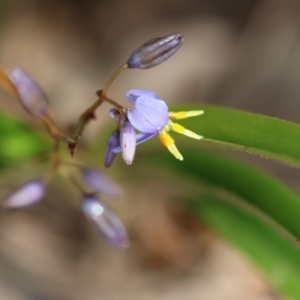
253 186
18 142
275 255
254 133
258 196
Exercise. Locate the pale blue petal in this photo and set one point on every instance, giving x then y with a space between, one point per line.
140 138
132 95
154 111
139 122
143 137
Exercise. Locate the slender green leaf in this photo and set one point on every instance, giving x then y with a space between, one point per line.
275 255
263 135
254 186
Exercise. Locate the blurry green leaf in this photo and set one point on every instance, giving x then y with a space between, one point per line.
246 131
18 142
275 255
258 188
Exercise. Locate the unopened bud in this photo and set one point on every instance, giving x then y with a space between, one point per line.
100 183
26 195
29 93
105 221
128 142
112 143
155 51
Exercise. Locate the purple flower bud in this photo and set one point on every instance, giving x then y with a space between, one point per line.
28 194
155 51
30 94
100 183
114 113
128 142
112 142
105 221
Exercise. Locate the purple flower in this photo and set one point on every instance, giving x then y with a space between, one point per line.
100 183
105 221
30 94
26 195
151 116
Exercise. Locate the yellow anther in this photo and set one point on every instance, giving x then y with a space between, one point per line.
180 129
185 114
165 138
173 149
167 141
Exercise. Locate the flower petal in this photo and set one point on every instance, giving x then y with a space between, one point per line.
128 137
132 95
149 116
105 221
100 183
30 94
28 194
139 122
155 111
140 138
143 137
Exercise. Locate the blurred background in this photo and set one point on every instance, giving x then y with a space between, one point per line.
237 53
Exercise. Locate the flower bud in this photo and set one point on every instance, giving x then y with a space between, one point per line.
28 194
114 113
112 143
155 51
128 142
105 221
100 183
30 94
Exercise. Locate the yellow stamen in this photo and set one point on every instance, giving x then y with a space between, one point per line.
167 141
165 138
180 129
173 149
185 114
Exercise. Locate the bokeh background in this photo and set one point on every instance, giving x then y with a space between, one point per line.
243 54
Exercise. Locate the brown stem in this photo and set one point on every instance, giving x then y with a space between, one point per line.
89 114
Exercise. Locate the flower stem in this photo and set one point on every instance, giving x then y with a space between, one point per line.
113 78
83 120
108 100
89 114
54 132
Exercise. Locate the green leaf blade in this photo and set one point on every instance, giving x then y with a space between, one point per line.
258 134
274 254
253 186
